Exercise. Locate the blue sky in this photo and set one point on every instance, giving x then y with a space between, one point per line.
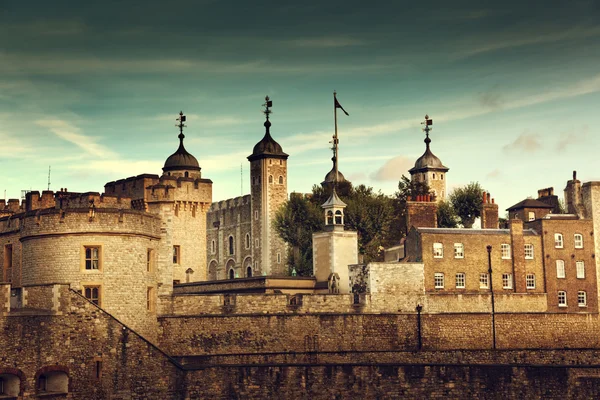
94 89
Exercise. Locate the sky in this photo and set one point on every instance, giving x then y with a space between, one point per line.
92 90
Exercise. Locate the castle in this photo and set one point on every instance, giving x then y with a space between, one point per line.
149 290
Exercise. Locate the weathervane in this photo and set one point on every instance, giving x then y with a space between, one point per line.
181 125
428 122
268 104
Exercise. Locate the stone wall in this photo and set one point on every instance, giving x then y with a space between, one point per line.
74 342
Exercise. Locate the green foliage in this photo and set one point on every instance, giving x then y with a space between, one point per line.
467 201
446 216
370 214
295 222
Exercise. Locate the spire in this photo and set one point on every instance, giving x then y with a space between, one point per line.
267 147
428 122
181 125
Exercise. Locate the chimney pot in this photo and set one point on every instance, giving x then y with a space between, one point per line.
574 175
493 200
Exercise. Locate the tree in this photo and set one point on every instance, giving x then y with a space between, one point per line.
446 216
295 222
370 214
467 201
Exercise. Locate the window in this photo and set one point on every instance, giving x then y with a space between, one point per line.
53 382
231 247
530 281
256 243
338 217
531 216
270 178
529 251
505 249
507 281
280 180
213 246
150 303
92 293
10 385
249 272
560 269
433 175
278 258
329 220
247 240
231 273
582 299
438 250
578 241
92 257
442 178
580 266
150 260
256 215
558 240
484 281
562 299
459 250
460 280
438 280
176 254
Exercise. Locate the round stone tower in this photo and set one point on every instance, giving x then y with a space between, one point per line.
268 191
429 169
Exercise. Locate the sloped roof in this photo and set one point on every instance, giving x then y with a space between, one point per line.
529 203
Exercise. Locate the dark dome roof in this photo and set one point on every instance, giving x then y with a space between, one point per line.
428 160
267 147
181 159
330 177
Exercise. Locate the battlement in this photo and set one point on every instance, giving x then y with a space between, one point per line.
230 203
12 207
133 187
171 188
71 200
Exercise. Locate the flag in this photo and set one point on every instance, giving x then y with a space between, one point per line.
338 105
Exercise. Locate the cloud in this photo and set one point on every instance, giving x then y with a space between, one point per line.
527 142
494 174
567 139
393 169
43 28
71 133
491 99
532 38
327 42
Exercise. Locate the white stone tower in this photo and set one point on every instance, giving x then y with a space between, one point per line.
268 191
429 169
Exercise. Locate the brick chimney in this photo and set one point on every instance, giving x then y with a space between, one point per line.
421 213
573 197
489 212
518 255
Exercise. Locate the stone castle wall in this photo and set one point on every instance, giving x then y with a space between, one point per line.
227 218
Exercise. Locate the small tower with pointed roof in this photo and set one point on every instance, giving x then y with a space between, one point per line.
268 191
428 168
335 248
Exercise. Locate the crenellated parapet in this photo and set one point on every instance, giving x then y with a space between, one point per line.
13 206
134 186
230 203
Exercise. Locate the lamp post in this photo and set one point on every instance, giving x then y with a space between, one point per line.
489 250
419 309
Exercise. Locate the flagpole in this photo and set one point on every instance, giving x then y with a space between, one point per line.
335 139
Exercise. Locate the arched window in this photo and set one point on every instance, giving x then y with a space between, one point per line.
442 176
249 272
338 218
329 218
213 246
230 245
270 178
231 273
433 175
280 180
10 385
247 240
187 174
52 381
